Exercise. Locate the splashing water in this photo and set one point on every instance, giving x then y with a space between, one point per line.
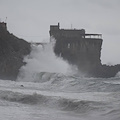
42 59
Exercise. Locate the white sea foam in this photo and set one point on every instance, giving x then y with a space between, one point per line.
42 59
118 74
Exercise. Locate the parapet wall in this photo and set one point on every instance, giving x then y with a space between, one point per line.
56 32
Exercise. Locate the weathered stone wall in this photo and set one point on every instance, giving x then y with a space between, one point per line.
83 52
57 32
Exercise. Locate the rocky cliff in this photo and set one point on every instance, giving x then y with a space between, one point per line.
12 52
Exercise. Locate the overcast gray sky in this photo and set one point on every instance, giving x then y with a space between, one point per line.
30 19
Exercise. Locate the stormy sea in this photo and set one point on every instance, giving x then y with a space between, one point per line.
48 88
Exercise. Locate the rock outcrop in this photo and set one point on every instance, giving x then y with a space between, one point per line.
12 52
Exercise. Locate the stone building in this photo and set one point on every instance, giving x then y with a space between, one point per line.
77 47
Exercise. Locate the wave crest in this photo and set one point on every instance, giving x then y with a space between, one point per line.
57 102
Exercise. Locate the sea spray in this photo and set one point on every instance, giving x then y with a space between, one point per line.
42 59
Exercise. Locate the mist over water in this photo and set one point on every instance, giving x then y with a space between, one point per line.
43 59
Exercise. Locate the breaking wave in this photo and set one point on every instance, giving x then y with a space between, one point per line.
47 81
58 102
53 73
42 59
71 83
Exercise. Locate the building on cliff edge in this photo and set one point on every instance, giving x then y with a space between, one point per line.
78 47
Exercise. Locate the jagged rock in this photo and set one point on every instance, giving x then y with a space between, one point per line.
12 52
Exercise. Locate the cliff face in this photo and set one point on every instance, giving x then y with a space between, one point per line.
12 51
82 50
